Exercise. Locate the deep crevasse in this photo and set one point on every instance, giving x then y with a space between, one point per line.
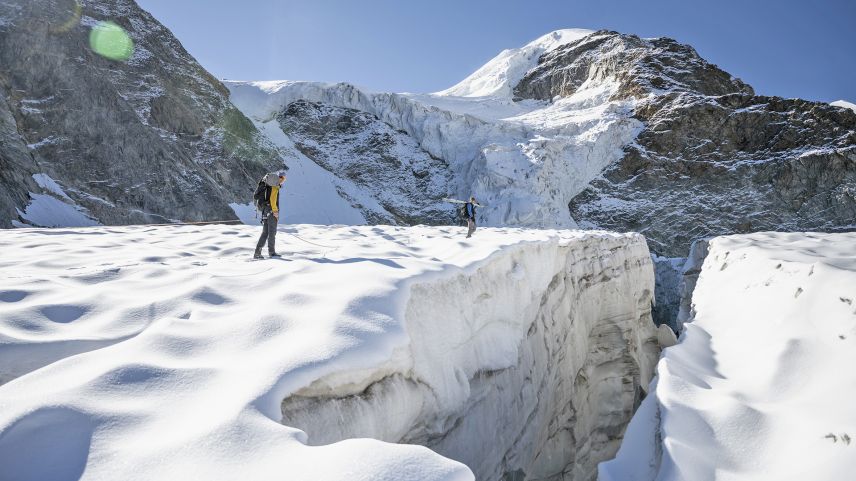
532 364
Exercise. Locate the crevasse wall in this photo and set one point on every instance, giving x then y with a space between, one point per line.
528 368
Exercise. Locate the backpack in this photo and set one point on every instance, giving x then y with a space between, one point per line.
462 213
261 197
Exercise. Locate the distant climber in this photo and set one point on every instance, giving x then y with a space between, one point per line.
470 211
267 202
466 213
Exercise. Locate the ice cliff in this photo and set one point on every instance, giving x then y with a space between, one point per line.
523 352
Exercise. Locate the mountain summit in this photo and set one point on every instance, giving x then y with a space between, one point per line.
500 75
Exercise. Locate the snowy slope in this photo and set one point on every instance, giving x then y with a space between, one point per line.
163 353
761 386
54 208
498 77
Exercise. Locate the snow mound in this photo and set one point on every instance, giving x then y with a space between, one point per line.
761 385
164 352
845 104
498 77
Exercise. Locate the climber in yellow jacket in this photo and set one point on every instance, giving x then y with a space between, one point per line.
267 201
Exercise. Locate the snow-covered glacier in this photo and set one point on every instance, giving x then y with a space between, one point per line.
162 352
523 159
761 385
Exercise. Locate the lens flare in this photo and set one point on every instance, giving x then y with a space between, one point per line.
111 41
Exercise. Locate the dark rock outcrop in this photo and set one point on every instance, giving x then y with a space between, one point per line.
148 139
707 166
16 165
640 66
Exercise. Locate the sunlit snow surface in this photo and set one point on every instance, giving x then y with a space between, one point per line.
762 383
164 352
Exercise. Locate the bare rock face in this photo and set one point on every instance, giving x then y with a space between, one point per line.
729 164
713 157
16 165
387 164
147 139
640 66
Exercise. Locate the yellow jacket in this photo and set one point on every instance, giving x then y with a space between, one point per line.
274 198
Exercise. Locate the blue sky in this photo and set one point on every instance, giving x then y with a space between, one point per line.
791 48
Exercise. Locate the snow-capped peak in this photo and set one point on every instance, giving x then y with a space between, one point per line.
845 104
498 77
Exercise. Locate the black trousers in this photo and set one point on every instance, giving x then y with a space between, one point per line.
268 233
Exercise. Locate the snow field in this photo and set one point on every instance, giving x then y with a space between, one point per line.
761 385
165 353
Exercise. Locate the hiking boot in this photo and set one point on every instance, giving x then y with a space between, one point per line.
272 255
258 255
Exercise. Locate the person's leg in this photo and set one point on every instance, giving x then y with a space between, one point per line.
471 226
263 238
272 223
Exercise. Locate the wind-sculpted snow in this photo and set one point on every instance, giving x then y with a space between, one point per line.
164 353
761 385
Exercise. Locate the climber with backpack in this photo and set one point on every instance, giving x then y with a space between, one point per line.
469 211
466 213
266 199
